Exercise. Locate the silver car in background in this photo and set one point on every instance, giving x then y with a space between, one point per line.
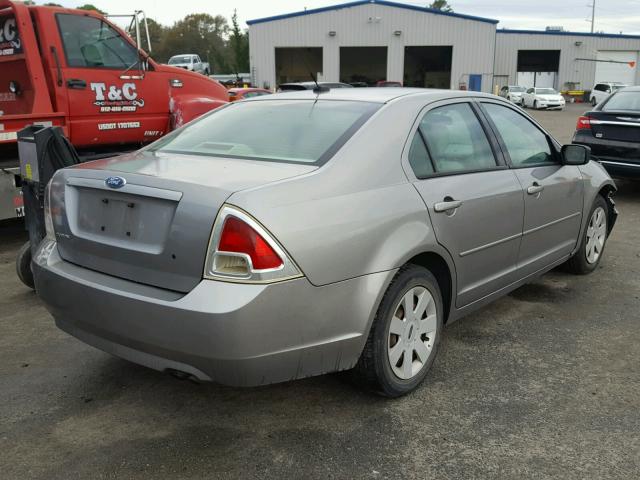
300 233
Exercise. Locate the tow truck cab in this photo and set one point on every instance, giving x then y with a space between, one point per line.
75 69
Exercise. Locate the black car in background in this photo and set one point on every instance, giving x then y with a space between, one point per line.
612 130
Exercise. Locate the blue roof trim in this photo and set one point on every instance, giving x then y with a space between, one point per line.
570 34
366 2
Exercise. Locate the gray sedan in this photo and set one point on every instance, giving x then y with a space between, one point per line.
298 234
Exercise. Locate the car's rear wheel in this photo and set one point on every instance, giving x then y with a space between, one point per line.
593 240
594 102
403 340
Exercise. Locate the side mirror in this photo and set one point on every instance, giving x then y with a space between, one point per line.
573 154
608 90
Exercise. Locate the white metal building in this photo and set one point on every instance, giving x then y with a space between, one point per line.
565 60
373 40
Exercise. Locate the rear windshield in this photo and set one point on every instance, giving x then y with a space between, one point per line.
623 100
295 131
180 59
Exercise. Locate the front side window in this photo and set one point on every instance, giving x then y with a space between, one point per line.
294 131
91 42
455 140
526 144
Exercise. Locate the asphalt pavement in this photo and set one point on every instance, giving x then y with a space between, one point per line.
544 383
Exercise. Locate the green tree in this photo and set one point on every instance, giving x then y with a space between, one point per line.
239 46
442 5
88 6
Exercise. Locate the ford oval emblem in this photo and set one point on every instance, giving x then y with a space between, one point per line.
115 182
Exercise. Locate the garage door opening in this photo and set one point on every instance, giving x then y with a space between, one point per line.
616 66
538 68
295 64
427 67
363 65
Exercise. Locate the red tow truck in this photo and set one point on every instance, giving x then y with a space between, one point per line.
77 70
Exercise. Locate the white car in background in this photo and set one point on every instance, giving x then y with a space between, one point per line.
513 93
603 90
542 97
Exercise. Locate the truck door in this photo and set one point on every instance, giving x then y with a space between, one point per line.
111 101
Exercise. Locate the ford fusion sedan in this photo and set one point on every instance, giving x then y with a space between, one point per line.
298 234
612 131
539 98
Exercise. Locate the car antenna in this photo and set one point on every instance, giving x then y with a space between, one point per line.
318 89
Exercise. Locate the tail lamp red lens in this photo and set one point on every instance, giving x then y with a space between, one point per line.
584 123
238 237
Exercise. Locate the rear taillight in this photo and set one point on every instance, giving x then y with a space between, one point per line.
584 123
48 217
238 237
242 250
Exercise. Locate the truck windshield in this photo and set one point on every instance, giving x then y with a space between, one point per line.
294 131
180 59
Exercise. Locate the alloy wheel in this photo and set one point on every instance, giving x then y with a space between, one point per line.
596 235
412 333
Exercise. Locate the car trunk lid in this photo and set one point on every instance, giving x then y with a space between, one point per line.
155 227
619 126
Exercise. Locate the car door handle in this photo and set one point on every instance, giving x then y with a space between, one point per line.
447 204
535 188
76 83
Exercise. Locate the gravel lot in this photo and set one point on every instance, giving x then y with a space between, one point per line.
544 383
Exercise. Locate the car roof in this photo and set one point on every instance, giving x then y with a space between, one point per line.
370 94
634 88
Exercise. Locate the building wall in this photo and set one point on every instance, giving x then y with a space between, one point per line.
374 25
570 70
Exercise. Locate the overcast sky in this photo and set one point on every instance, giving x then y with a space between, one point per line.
611 15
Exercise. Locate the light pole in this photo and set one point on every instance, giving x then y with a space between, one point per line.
593 15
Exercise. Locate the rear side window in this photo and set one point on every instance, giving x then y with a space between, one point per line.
628 101
526 144
91 42
295 131
455 141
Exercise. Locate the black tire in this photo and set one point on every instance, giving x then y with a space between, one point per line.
206 73
578 264
535 105
23 266
594 102
373 368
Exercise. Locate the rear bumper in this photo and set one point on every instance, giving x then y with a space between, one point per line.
234 334
618 158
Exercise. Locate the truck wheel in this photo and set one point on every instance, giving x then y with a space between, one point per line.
403 340
206 72
593 240
23 265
